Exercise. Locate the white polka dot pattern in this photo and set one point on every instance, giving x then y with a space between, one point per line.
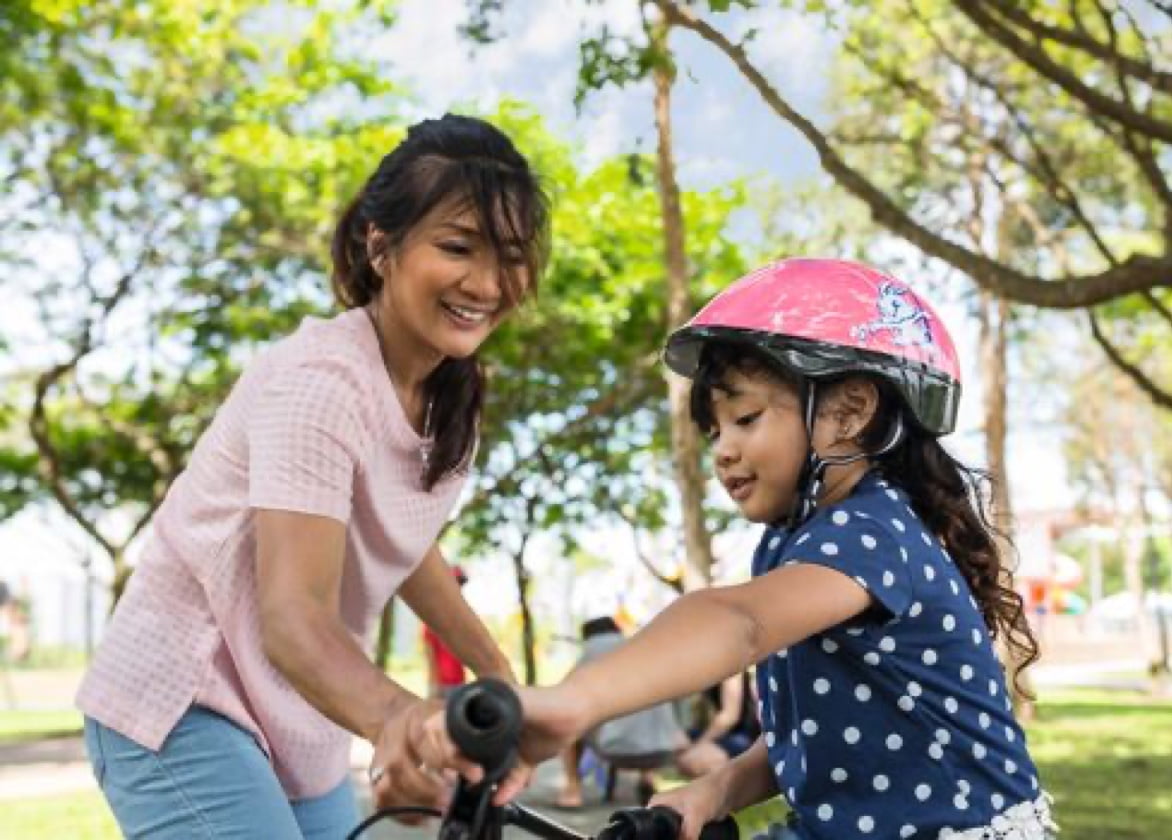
902 690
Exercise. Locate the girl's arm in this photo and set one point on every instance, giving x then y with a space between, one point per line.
747 779
433 594
701 639
740 783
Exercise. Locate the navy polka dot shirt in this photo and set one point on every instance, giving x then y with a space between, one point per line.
897 723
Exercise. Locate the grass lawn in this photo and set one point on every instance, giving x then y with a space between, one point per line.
78 816
31 725
1107 758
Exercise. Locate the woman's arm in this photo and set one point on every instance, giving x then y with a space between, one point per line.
299 574
433 594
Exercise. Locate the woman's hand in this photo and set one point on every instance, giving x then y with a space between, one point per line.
412 751
698 803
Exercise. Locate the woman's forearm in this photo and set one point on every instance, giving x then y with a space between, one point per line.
315 652
432 594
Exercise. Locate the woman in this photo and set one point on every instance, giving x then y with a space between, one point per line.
233 671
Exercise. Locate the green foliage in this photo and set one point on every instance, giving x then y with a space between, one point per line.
173 171
575 426
607 59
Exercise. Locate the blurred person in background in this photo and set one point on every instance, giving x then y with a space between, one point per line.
445 671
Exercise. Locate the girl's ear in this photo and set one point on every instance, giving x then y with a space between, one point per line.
851 405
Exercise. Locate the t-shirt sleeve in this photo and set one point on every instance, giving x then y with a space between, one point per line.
306 439
861 548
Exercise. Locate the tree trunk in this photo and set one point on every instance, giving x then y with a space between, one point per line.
386 636
685 440
1133 556
994 315
121 576
994 344
528 636
1155 630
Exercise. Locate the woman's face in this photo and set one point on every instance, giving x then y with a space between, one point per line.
442 288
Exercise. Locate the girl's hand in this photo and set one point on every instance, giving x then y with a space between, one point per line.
698 803
515 781
553 721
411 752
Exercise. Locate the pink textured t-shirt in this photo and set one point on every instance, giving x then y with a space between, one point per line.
313 425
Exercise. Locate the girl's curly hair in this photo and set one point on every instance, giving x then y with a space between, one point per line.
952 500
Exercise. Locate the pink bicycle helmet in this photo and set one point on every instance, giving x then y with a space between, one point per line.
821 318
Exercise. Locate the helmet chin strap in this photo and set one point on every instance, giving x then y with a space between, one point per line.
813 474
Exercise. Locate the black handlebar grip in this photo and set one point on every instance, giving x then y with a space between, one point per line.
661 823
725 829
484 721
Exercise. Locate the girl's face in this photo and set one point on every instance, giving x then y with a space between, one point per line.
759 439
758 443
442 287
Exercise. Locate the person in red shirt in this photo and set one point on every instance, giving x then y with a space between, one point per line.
445 673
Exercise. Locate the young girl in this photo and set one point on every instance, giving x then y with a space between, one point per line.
877 591
222 700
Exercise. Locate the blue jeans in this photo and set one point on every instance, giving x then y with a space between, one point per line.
210 780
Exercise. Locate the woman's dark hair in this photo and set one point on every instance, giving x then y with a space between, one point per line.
467 164
951 499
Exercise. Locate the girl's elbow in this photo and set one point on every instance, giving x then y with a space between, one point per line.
750 627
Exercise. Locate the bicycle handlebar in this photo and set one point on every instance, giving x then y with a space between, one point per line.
484 721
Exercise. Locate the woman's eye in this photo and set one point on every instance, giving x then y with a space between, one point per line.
456 247
747 419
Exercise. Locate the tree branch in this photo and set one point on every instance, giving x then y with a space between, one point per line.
1082 40
1137 273
1157 394
1042 167
1140 148
50 458
1161 309
1037 58
675 583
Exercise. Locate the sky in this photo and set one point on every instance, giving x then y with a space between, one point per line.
722 131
